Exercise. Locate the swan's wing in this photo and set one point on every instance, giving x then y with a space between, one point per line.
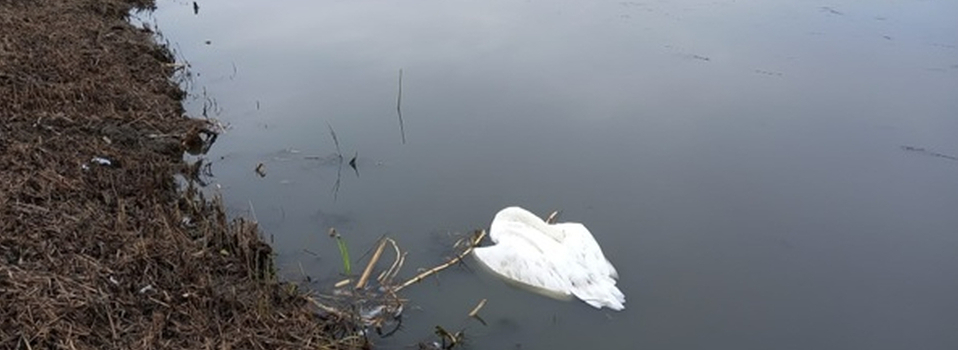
582 245
515 259
599 292
591 276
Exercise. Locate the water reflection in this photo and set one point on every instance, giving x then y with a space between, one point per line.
740 162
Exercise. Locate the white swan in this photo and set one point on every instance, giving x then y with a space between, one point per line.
562 258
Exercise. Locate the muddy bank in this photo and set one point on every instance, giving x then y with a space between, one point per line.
98 247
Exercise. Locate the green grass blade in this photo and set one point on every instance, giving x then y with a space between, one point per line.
344 252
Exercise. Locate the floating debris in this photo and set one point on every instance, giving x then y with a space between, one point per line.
700 57
475 312
369 267
831 11
199 140
449 339
343 283
927 152
101 161
376 304
768 72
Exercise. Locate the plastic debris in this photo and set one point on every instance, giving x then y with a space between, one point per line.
101 161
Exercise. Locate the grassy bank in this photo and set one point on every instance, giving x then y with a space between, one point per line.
98 246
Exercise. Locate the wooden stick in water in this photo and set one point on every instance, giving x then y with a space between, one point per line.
430 272
475 311
372 263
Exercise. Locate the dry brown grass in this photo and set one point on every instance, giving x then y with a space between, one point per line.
94 256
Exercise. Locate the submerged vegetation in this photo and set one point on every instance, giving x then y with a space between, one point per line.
374 304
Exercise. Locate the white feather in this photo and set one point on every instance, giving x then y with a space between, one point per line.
561 259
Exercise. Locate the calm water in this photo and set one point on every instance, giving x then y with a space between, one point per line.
745 165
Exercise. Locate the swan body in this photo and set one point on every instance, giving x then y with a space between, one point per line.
561 259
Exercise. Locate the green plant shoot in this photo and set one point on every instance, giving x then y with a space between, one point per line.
344 252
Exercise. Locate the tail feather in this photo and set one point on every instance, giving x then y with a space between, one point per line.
601 294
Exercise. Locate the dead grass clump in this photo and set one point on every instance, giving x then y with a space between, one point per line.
98 248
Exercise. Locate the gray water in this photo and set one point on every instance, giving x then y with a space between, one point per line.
764 175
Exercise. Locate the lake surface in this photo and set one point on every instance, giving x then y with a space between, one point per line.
764 175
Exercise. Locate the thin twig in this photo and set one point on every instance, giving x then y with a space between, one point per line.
551 219
342 283
325 307
335 141
339 178
303 272
402 128
389 274
475 311
430 272
371 249
339 156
